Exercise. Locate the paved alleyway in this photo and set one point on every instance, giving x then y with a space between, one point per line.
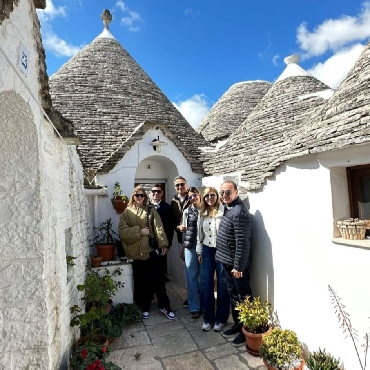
177 345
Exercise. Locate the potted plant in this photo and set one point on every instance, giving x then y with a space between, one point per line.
91 356
96 261
118 199
321 360
104 240
281 350
254 315
96 303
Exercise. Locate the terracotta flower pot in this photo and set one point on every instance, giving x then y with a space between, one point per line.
96 261
253 341
300 367
106 251
95 338
118 204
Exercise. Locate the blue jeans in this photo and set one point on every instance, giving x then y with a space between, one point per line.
207 272
192 279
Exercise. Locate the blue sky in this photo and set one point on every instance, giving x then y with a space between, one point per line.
195 50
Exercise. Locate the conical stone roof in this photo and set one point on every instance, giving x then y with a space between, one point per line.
345 118
232 109
255 148
112 102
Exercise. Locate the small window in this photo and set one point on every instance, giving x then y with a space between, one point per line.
359 191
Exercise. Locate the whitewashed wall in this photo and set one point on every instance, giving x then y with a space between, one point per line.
165 165
43 214
294 258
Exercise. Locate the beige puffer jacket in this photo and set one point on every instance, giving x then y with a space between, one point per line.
133 219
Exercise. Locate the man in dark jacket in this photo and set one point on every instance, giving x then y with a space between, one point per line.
178 204
234 252
165 212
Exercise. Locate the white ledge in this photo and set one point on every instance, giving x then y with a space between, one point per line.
102 191
363 243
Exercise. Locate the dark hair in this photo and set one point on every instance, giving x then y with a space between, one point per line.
157 186
230 182
193 189
179 178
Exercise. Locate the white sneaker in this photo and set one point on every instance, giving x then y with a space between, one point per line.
206 326
219 326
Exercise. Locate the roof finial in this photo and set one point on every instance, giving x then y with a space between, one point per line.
292 59
106 18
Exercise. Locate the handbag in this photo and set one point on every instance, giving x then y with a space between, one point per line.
153 242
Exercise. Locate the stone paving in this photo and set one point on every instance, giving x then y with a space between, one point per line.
159 343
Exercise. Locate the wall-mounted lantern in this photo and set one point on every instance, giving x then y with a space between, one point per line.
157 144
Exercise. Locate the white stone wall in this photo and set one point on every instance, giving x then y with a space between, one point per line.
43 213
165 166
294 259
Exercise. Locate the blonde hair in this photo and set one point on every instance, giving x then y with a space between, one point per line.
206 209
132 199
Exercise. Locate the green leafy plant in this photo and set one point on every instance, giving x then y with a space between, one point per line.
117 192
281 349
321 360
254 315
345 323
126 314
104 233
70 262
91 356
99 288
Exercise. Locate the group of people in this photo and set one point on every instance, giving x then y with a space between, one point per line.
213 236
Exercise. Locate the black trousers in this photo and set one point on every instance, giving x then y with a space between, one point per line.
238 289
149 280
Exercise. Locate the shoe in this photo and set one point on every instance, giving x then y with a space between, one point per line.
169 313
194 315
185 304
219 326
206 326
232 331
145 315
239 340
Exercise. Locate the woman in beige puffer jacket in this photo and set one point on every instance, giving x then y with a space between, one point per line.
134 233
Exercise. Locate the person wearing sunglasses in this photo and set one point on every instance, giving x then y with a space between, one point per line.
165 213
211 213
179 203
189 241
233 250
134 232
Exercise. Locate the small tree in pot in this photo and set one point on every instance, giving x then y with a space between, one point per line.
104 240
281 350
118 199
255 316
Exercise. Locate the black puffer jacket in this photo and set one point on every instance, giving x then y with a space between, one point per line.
233 242
190 220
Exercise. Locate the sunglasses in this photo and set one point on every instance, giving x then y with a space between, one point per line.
191 197
226 192
139 195
156 191
182 184
210 196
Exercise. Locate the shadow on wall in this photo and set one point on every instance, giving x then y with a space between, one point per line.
262 267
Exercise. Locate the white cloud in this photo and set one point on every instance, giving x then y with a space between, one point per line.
333 34
193 109
130 18
275 59
333 70
51 41
58 46
191 12
51 11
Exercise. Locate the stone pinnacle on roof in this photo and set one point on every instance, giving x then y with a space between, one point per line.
106 17
292 68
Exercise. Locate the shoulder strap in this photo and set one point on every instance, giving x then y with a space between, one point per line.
149 211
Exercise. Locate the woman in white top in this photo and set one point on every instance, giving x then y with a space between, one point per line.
209 220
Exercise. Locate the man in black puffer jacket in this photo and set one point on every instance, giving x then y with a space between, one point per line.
233 246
